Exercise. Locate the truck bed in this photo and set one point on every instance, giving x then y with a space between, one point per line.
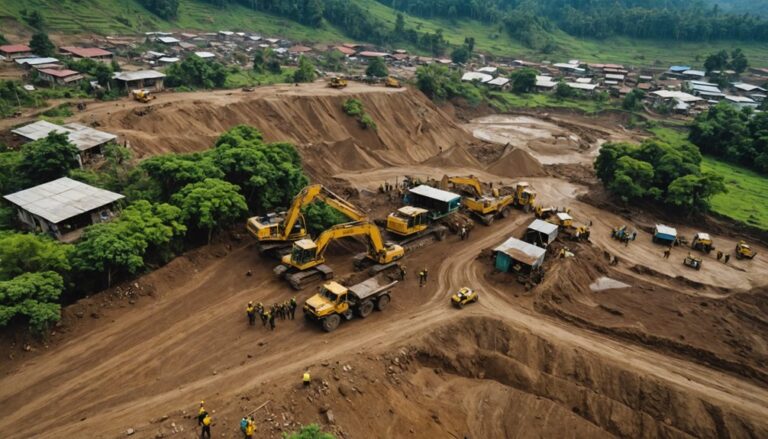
371 287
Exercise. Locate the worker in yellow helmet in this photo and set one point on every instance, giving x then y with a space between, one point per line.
250 428
207 421
250 310
306 379
201 413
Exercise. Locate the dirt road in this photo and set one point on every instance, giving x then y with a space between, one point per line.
517 364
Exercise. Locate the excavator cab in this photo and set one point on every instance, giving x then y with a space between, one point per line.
303 253
407 220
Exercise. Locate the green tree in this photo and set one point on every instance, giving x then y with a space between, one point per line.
25 253
523 80
320 216
305 72
716 61
693 192
399 25
211 204
171 172
34 296
313 13
260 58
107 248
10 180
739 62
334 61
311 431
41 44
196 72
103 74
377 67
432 80
166 9
47 159
460 55
632 178
35 19
564 91
633 101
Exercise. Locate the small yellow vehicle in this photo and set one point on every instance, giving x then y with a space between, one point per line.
464 296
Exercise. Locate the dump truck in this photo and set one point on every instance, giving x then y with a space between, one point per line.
276 232
335 302
486 206
306 262
143 96
336 82
744 251
702 242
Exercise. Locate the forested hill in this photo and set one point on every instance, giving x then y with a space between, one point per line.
756 7
680 20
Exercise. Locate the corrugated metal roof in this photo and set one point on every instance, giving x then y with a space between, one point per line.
666 230
521 251
61 199
15 48
205 55
436 194
81 136
542 227
86 52
500 81
141 74
36 61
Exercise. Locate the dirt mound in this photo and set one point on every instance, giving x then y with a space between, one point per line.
515 162
410 128
665 318
457 156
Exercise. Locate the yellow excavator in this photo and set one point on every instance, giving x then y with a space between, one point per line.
307 261
275 232
392 82
487 207
337 82
143 96
565 223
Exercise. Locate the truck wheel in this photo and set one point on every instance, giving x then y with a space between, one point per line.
440 234
366 308
331 322
383 302
505 212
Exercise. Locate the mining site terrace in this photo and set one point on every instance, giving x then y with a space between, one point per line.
646 348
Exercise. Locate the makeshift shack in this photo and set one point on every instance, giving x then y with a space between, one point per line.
664 234
514 255
540 233
438 202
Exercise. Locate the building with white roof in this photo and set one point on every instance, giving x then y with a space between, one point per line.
87 140
743 86
741 101
518 256
171 41
500 82
488 69
31 62
151 80
63 207
206 55
476 76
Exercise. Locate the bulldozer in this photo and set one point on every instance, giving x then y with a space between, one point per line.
565 223
392 82
275 232
702 242
744 251
337 82
692 261
306 261
487 207
143 96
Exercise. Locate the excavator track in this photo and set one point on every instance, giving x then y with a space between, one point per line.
300 279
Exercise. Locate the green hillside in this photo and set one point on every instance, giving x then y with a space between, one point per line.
128 16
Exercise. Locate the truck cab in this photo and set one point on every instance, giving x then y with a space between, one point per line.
332 298
408 220
303 254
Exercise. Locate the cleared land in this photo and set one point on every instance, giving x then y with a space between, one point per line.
676 353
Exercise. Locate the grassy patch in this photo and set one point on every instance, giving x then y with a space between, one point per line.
505 101
248 78
63 110
747 196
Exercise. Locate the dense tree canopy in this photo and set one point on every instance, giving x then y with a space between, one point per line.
657 171
162 8
305 72
41 44
739 136
377 67
523 80
25 253
210 204
34 296
47 159
196 72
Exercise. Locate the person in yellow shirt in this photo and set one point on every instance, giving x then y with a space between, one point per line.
207 421
201 413
250 429
306 379
251 311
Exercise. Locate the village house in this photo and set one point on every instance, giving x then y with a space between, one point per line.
13 51
60 76
88 141
64 207
93 53
151 80
30 63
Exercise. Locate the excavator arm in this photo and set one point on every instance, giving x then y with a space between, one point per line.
471 181
307 195
377 249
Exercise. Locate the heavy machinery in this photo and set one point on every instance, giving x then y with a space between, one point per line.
335 301
306 261
275 232
744 251
392 82
702 242
409 224
464 296
692 261
143 96
565 222
337 82
487 207
544 213
525 196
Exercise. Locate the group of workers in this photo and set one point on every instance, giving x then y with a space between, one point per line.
724 257
282 311
204 420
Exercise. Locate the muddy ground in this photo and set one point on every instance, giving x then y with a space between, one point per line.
646 348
